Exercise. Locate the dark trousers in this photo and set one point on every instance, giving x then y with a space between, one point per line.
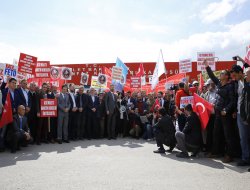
93 127
32 121
16 140
72 125
111 125
81 124
209 129
122 126
53 128
161 140
42 129
223 135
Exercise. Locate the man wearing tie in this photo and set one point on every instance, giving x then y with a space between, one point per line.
111 108
23 97
93 129
72 113
63 104
18 133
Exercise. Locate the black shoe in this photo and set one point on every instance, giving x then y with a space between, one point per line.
170 150
182 155
248 170
160 151
59 141
66 141
109 138
38 143
114 138
243 163
2 149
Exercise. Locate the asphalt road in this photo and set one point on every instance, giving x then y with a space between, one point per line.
121 164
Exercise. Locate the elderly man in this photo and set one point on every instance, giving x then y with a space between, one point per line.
18 133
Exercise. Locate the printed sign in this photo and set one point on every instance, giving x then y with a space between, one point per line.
84 78
117 73
27 64
209 56
102 80
10 70
66 73
186 100
42 69
48 108
135 82
55 72
185 66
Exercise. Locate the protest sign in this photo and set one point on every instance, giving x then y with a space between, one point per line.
42 69
186 100
116 73
185 66
135 82
48 108
27 64
209 56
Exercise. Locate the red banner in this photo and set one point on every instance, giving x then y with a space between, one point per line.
27 64
42 69
176 79
48 108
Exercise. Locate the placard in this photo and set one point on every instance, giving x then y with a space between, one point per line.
185 66
116 73
42 69
186 100
66 73
55 73
102 80
209 56
135 82
27 64
84 79
48 108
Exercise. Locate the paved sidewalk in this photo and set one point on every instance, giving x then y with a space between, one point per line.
114 165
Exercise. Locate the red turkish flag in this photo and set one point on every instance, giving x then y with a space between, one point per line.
140 72
7 116
203 109
201 83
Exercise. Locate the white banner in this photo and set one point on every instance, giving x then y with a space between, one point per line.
186 100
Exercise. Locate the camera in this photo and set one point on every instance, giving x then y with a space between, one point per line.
235 58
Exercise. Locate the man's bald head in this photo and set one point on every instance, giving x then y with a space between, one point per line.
21 110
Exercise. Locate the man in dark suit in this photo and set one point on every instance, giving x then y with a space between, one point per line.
81 103
32 115
72 113
111 108
42 127
23 97
93 129
13 97
165 132
130 100
63 115
11 88
18 131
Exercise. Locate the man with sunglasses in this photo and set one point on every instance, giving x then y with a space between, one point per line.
224 107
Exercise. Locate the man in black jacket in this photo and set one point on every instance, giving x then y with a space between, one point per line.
224 108
165 132
82 105
190 139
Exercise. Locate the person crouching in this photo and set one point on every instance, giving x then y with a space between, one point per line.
165 132
190 139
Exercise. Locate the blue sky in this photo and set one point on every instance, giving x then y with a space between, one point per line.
96 31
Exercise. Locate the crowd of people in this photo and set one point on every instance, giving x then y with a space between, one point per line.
158 116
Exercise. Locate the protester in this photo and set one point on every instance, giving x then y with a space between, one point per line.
190 138
224 108
18 133
165 134
63 104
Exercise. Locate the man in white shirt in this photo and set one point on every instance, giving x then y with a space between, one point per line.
72 113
